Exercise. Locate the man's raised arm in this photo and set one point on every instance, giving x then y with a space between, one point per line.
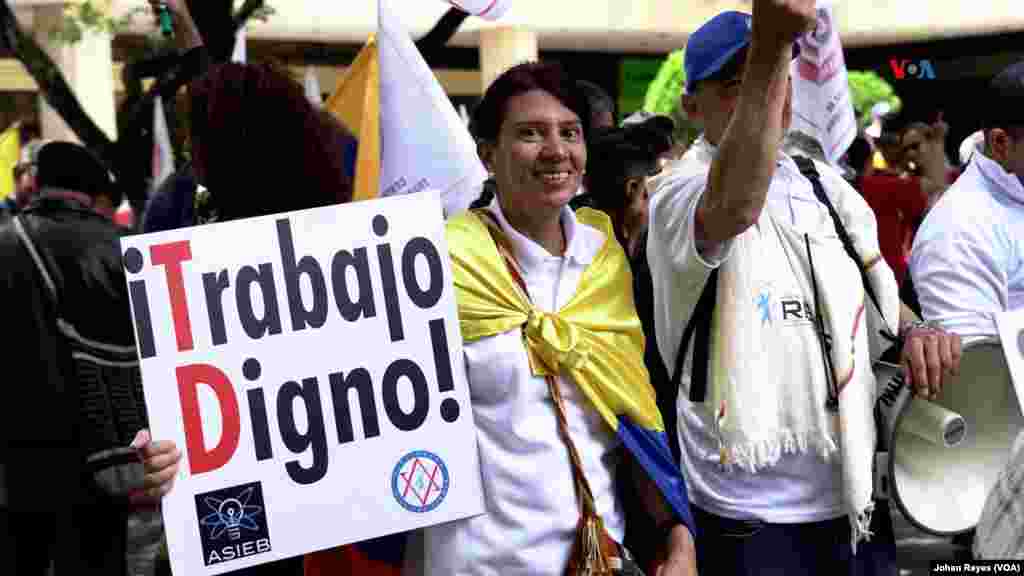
743 168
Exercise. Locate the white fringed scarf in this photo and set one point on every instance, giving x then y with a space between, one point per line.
776 404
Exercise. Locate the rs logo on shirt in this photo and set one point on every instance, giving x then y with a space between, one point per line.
796 311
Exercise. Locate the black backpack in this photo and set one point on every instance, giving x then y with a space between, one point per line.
108 382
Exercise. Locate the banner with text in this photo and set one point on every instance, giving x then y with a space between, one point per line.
425 145
309 365
822 105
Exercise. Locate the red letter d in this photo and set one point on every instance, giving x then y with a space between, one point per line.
200 459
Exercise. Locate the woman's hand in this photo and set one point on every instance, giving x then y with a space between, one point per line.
160 460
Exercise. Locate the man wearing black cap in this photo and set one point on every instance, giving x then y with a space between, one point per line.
761 317
50 509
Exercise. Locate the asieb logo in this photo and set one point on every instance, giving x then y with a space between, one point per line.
232 523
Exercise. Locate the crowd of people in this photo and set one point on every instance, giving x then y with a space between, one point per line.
733 295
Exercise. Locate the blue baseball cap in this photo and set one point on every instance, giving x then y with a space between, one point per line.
711 46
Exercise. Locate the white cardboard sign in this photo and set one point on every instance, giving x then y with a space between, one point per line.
415 115
309 367
822 105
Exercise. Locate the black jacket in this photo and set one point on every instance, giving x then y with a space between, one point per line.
47 492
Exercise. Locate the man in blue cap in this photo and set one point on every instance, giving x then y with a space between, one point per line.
769 302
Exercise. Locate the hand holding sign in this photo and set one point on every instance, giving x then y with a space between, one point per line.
160 460
275 350
486 9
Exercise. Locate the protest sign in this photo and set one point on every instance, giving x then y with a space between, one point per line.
309 365
822 106
394 105
417 115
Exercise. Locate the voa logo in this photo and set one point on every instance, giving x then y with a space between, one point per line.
915 69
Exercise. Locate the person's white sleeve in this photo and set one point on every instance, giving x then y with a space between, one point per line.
960 281
673 227
679 271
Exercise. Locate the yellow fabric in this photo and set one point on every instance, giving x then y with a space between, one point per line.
878 161
596 338
356 103
10 151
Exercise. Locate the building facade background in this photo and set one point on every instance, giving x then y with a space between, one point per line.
615 44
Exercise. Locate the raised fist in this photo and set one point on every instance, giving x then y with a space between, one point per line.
781 22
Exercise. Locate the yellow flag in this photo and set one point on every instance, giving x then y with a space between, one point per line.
10 151
356 103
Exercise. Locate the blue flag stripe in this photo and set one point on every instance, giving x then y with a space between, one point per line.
651 450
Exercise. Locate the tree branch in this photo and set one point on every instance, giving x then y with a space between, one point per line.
52 85
135 121
441 33
189 66
216 26
246 11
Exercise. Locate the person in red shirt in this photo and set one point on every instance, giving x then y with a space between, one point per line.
901 198
899 204
924 151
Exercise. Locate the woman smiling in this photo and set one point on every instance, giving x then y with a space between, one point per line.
553 352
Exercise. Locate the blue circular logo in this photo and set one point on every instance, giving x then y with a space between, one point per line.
420 481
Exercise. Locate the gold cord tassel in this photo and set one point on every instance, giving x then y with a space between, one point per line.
593 549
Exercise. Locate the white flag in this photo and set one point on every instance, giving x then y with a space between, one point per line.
312 85
163 153
486 9
239 55
425 145
822 106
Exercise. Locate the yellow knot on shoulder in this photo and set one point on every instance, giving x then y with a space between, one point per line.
555 342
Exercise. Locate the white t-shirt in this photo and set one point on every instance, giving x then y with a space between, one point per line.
967 262
801 487
532 510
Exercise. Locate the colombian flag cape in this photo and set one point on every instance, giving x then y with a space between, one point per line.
596 338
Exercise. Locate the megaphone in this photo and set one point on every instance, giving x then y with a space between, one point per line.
940 458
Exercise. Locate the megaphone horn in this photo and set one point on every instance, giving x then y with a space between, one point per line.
944 456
